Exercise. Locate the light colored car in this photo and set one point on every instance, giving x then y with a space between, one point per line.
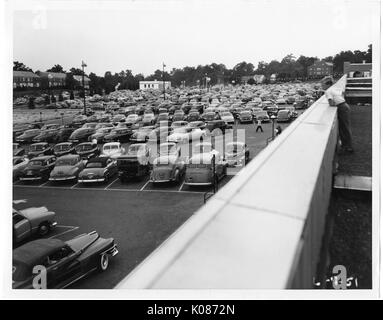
228 117
168 168
185 134
113 149
133 118
261 115
67 167
19 164
31 221
284 115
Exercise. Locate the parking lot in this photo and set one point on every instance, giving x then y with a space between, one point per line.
138 214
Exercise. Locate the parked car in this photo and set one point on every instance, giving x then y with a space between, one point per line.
237 154
113 149
169 166
98 169
245 116
19 164
63 148
38 168
32 221
48 135
148 119
201 169
261 115
133 118
197 124
179 115
87 150
90 125
17 150
39 149
63 134
100 134
209 116
118 118
65 262
163 117
81 135
80 120
294 114
216 127
179 124
227 117
28 136
50 126
193 116
67 167
135 163
142 134
122 134
284 116
185 134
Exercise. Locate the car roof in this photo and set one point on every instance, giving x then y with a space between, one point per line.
102 159
31 252
39 143
69 156
43 158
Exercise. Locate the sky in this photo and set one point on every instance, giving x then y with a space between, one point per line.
140 35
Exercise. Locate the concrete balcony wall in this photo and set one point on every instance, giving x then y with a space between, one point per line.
264 229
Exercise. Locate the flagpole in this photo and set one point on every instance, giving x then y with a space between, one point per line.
83 83
163 78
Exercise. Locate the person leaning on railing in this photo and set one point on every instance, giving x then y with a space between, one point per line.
335 97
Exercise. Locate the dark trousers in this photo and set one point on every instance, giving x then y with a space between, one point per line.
344 123
260 128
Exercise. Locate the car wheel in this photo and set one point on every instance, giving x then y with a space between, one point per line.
104 262
43 229
177 176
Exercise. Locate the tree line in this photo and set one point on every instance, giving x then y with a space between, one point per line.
288 68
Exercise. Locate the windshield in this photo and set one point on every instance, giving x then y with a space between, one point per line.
181 130
84 147
62 147
226 114
111 147
94 165
134 149
66 162
38 147
36 163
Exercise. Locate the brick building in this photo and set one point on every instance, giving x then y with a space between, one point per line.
25 79
319 69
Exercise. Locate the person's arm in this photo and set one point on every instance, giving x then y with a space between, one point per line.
330 98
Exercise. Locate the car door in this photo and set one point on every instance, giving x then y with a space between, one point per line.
62 267
21 227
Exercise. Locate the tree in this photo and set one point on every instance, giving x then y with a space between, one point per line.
31 103
76 71
56 68
19 66
251 81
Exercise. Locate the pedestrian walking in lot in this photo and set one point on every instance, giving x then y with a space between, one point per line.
259 125
335 97
278 130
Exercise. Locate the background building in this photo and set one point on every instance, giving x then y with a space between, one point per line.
155 85
25 79
320 68
364 68
52 79
78 81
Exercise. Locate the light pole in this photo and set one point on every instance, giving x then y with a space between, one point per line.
49 86
83 65
273 120
163 77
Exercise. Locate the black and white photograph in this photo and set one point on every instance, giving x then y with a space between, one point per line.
181 149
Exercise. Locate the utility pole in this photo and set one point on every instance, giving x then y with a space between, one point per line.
83 65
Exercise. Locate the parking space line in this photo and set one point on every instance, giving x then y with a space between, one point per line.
145 185
42 185
74 185
110 184
62 233
182 185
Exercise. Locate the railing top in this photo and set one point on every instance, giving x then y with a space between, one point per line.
252 227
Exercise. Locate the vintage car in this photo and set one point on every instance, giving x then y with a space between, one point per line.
39 149
197 124
179 115
63 148
185 134
48 135
38 168
163 117
209 116
160 134
228 117
216 127
261 115
64 133
148 119
113 149
142 134
100 134
81 135
50 126
193 116
284 115
67 167
133 118
19 164
245 116
64 262
294 114
168 167
28 136
205 169
32 221
237 154
90 125
118 118
98 169
17 150
102 125
135 163
87 150
118 134
80 120
94 118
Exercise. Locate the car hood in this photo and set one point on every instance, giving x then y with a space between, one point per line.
94 171
63 169
35 213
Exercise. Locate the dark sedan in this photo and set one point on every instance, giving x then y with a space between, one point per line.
98 169
17 150
46 136
28 136
64 262
193 116
87 150
39 149
118 134
63 134
81 135
38 168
